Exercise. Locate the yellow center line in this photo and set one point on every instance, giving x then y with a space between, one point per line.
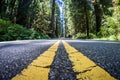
85 68
39 68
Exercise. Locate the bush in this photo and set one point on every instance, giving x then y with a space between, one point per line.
84 36
3 28
9 31
80 36
92 36
37 35
112 37
109 28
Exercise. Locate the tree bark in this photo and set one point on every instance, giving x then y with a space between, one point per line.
22 13
3 8
56 30
87 20
12 11
53 18
98 16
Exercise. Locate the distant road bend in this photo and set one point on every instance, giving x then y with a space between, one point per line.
59 60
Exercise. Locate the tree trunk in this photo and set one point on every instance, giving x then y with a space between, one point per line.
98 16
52 18
12 11
56 30
87 20
22 13
3 7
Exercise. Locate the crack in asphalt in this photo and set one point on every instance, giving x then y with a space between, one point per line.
86 70
104 54
42 66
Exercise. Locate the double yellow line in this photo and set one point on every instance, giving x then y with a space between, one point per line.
83 66
39 68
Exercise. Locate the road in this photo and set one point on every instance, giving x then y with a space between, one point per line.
106 54
59 60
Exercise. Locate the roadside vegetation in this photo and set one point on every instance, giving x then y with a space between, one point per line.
94 19
29 19
10 31
39 19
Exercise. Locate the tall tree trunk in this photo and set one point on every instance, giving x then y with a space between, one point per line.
1 4
3 7
12 10
87 20
98 16
56 30
22 13
53 17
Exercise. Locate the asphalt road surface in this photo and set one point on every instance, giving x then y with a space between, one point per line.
104 53
16 56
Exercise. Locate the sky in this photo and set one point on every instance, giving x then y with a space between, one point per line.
61 7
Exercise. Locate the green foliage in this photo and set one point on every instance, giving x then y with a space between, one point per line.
9 31
37 35
79 16
111 24
17 32
34 14
109 28
84 36
99 18
116 1
3 26
40 15
80 36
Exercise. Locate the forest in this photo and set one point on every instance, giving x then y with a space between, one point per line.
45 19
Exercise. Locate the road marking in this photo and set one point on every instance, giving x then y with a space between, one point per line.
39 68
85 68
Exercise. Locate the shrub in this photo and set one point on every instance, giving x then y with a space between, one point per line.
3 28
109 27
80 36
10 31
84 36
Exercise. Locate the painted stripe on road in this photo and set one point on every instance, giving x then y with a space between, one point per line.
39 69
85 68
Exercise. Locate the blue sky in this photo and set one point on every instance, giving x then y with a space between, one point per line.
61 7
